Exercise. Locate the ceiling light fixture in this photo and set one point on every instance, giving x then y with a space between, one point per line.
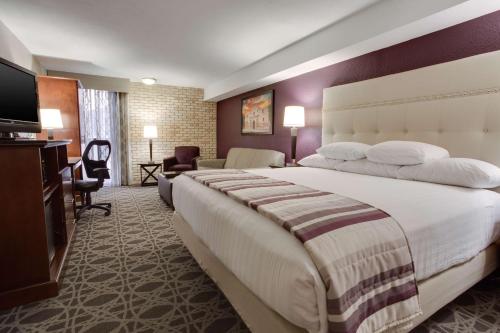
148 80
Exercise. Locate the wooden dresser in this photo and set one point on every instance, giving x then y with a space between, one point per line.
36 218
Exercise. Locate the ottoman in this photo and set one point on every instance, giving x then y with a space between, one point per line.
165 188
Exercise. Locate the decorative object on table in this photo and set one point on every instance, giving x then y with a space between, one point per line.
184 159
257 113
149 169
96 169
150 132
294 118
51 119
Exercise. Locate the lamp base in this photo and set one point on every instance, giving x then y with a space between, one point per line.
151 151
294 143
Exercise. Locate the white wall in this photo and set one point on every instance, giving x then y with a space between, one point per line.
13 50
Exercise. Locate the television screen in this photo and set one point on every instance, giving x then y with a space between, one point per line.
18 94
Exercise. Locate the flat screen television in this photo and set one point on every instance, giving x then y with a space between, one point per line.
19 110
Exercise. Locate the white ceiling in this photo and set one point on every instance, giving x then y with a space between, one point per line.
180 42
224 46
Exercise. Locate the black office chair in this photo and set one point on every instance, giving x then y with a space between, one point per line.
95 168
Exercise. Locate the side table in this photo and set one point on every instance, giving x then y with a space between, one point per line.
149 169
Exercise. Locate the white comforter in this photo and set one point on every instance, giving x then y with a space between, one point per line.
445 225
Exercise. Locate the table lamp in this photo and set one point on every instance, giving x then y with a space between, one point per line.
150 132
51 119
294 118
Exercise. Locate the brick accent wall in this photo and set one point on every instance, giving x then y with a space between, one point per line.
181 116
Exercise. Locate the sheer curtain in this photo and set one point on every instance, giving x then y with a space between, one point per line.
100 119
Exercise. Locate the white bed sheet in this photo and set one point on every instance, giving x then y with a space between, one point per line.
445 225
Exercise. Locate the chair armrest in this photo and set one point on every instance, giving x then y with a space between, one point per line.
212 163
168 162
102 173
194 162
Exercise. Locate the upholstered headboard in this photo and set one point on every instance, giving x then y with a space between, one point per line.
455 105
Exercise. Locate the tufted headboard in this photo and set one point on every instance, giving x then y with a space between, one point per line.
455 105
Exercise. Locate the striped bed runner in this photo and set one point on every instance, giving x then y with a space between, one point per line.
360 251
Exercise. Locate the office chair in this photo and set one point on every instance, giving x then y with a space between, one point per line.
95 169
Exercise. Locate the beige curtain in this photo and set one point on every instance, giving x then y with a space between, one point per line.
123 102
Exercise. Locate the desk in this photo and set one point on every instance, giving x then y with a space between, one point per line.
75 162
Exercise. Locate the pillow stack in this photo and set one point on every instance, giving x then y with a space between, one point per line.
406 160
319 161
332 155
405 153
347 151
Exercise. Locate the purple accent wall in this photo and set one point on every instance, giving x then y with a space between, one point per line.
470 38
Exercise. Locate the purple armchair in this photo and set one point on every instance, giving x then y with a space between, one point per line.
184 159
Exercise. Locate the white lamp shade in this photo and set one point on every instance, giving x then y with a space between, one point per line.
51 118
294 116
150 132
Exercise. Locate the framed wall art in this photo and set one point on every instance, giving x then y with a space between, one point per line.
257 114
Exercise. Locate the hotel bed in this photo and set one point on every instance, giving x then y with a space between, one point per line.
268 275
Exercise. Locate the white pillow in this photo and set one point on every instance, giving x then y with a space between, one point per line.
366 167
454 171
348 151
405 152
318 161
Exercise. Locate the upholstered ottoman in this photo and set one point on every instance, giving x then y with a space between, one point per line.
165 187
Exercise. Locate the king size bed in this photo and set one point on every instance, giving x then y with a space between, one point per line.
268 275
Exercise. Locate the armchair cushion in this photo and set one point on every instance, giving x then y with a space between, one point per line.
245 158
181 167
211 164
248 158
185 154
184 159
169 162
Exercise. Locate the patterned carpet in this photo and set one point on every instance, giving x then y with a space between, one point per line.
129 272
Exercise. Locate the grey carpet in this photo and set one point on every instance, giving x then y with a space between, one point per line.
129 272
